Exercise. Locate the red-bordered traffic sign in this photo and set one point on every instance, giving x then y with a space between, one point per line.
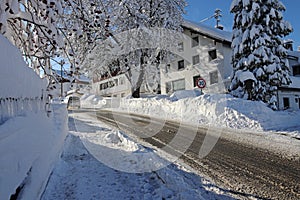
201 83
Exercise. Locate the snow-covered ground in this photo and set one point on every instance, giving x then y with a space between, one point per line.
217 110
30 146
82 175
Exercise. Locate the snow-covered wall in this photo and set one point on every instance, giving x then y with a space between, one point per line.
21 89
30 141
16 79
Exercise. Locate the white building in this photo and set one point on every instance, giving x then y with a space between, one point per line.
289 96
204 52
115 86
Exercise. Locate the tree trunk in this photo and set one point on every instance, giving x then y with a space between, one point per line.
136 89
136 93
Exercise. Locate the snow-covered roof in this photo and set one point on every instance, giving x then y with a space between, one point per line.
295 54
83 78
66 76
295 82
208 30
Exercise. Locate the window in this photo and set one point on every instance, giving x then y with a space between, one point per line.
196 60
213 77
168 67
116 82
212 55
180 64
103 86
195 78
296 70
111 84
195 41
122 81
175 85
286 103
180 47
179 85
169 87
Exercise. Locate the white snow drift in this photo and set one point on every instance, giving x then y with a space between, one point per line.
217 110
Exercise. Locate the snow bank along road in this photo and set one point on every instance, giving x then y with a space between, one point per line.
244 168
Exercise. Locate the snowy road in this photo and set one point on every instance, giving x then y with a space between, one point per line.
79 175
248 170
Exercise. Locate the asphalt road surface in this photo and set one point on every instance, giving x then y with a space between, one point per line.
245 170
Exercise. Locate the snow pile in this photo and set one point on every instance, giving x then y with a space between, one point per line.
215 110
29 147
219 110
16 79
91 101
115 149
204 110
112 139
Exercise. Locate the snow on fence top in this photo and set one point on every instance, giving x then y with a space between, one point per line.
16 79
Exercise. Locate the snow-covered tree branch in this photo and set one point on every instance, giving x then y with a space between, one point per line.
141 32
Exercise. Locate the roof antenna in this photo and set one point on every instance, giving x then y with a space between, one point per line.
217 15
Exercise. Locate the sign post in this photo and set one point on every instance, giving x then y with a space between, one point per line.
201 83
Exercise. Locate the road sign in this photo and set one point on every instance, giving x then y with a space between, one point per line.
201 83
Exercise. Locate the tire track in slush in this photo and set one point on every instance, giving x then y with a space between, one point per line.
244 170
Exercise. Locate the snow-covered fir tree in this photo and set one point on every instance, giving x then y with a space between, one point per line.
259 58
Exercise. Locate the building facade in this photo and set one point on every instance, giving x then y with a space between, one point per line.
205 53
289 96
115 86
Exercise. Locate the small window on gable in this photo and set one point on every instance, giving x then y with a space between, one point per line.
212 55
180 64
196 60
195 41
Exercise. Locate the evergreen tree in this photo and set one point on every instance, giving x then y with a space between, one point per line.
257 45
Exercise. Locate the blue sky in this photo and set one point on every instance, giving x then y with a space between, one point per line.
200 9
